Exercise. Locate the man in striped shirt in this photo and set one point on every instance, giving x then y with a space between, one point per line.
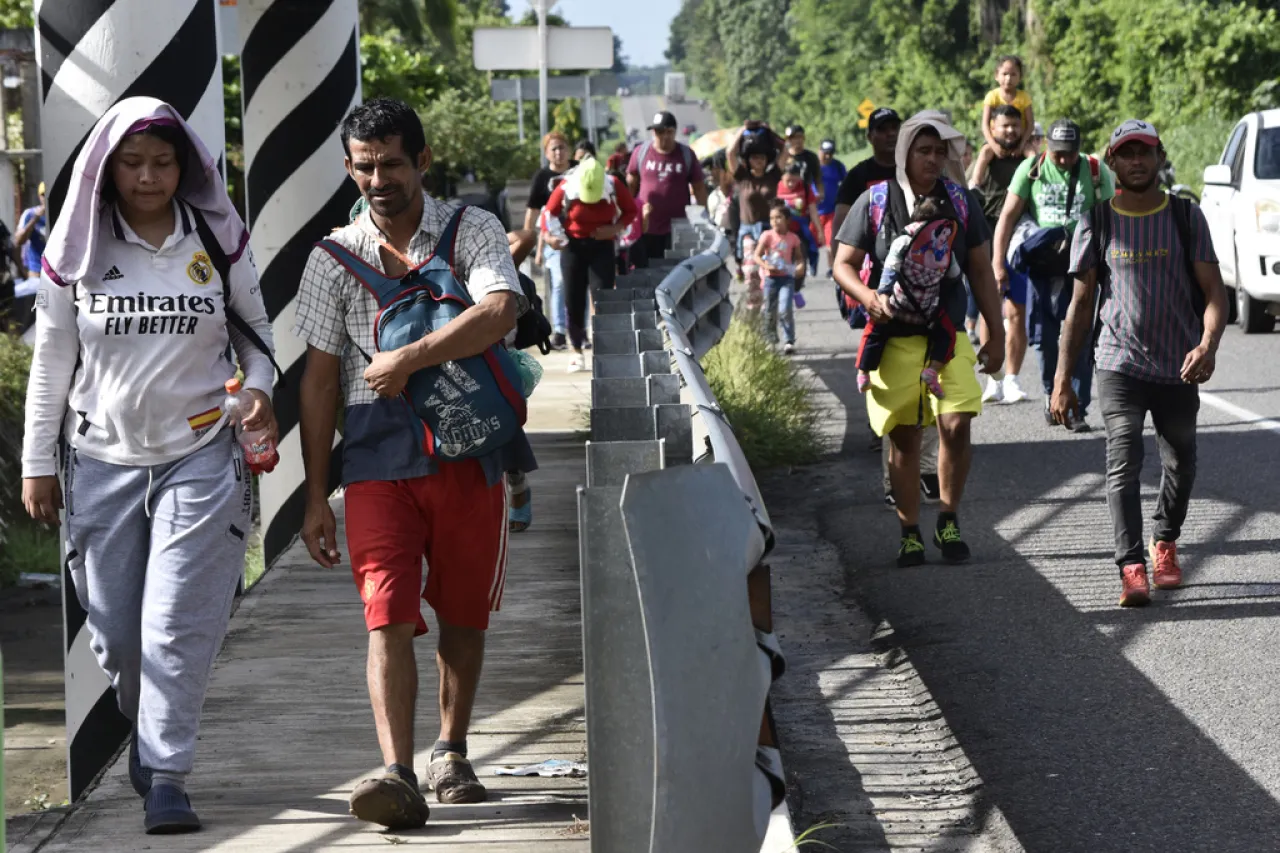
1163 312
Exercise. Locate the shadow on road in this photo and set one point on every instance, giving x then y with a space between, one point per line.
1047 685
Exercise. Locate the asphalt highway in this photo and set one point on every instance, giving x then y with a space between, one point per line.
1094 729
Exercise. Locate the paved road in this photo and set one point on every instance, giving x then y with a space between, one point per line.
1094 729
638 112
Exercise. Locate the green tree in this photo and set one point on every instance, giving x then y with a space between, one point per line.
567 119
419 22
470 136
17 14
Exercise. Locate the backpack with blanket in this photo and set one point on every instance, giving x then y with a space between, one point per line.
1100 219
887 211
1047 253
222 265
470 407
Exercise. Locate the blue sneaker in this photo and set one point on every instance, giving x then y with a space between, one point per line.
169 811
139 776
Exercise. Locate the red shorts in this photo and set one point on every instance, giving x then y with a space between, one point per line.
453 519
826 219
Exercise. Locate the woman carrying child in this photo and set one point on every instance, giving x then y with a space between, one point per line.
919 267
928 155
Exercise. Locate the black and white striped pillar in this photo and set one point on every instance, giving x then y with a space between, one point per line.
91 54
300 75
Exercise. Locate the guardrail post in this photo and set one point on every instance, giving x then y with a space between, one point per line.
678 649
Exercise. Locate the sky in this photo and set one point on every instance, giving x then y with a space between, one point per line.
644 27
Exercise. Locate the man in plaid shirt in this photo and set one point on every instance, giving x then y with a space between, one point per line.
401 506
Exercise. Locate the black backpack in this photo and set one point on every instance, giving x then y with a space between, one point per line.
1100 217
532 329
222 264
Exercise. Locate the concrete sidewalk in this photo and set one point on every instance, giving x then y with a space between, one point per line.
288 732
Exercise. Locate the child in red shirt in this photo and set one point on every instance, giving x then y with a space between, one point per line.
802 206
779 256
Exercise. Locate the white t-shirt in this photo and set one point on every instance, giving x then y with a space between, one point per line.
149 329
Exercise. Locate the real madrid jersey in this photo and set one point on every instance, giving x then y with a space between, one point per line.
134 356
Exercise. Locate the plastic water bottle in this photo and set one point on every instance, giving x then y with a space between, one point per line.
259 448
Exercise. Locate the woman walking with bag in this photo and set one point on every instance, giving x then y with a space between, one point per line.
134 319
595 208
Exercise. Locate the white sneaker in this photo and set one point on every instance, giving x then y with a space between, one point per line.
575 365
1013 392
994 392
788 349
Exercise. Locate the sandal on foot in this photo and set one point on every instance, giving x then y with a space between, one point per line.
169 812
451 777
520 517
389 801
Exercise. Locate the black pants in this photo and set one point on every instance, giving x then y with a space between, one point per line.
650 247
587 265
1125 402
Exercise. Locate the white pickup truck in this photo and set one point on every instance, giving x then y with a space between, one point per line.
1241 201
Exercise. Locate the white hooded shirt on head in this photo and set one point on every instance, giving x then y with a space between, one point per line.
131 355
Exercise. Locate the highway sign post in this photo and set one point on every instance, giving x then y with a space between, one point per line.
542 48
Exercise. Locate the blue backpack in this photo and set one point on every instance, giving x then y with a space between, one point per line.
468 408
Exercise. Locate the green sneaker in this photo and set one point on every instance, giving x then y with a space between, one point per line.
947 538
911 551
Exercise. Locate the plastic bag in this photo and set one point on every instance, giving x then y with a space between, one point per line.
529 368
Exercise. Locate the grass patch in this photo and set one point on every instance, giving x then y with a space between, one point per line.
255 565
28 547
764 397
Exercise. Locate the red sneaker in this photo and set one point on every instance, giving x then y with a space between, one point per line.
1167 574
1136 593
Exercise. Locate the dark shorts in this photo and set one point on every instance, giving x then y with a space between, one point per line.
1017 292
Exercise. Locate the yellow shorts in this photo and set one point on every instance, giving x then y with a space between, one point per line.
897 397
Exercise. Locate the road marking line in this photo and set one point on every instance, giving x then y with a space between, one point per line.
1241 412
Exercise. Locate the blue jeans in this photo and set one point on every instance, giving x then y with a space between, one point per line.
754 230
1047 349
779 296
558 313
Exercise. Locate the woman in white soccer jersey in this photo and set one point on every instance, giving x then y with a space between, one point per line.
132 332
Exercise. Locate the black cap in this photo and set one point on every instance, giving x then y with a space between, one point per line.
663 120
1064 136
882 116
828 145
793 129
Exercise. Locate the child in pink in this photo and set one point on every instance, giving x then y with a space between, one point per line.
779 255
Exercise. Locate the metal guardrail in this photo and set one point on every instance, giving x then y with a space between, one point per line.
679 652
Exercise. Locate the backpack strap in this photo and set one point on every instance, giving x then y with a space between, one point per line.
1100 218
449 239
1034 172
222 264
688 159
959 200
1181 209
878 204
380 286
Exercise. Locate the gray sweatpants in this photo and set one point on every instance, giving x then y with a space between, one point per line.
155 554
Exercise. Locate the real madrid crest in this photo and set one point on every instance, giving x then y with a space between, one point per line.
200 270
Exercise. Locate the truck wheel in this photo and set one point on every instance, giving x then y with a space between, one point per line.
1254 318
